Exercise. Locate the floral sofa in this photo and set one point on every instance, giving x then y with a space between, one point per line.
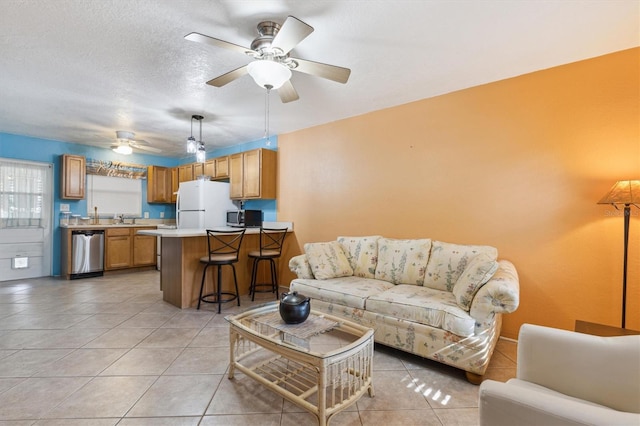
438 300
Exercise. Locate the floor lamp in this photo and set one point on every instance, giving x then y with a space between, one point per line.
624 193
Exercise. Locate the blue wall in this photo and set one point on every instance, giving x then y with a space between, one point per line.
49 151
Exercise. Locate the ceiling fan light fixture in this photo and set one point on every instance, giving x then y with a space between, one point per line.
123 149
269 73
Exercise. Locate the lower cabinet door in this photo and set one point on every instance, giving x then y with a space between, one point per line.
144 250
117 252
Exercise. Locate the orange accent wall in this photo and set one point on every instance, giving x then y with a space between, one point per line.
518 164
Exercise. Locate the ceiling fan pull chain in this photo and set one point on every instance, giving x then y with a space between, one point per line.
266 116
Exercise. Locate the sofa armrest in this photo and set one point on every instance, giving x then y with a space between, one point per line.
500 295
506 404
603 370
299 265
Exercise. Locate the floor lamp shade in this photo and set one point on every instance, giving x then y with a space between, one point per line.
625 193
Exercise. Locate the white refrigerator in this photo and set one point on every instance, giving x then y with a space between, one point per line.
203 204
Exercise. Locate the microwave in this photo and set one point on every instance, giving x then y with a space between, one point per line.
244 218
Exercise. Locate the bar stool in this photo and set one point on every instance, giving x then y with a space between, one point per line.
224 249
271 242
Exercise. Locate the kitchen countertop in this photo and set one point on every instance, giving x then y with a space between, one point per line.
111 225
186 232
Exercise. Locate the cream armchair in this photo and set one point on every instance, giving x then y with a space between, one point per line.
567 378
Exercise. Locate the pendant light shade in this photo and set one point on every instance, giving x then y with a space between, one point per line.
191 145
201 154
269 73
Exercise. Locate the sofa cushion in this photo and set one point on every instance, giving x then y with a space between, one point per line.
362 253
479 270
402 261
447 262
423 305
347 291
327 260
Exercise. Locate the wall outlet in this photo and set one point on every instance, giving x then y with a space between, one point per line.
64 207
146 215
161 215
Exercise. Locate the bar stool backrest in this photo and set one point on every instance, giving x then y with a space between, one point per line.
224 245
271 241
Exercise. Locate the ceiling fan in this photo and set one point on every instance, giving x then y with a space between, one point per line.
272 65
125 143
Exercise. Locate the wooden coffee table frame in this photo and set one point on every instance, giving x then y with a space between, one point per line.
337 378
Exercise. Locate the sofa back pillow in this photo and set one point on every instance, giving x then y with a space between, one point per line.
327 260
402 261
479 270
447 262
362 253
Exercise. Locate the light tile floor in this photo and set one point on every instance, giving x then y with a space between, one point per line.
108 351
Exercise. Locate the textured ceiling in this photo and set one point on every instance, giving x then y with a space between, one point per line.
78 70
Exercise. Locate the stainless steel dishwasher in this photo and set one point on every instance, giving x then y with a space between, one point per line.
87 253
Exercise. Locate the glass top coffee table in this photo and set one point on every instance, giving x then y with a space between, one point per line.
323 365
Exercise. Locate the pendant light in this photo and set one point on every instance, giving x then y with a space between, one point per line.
201 154
191 141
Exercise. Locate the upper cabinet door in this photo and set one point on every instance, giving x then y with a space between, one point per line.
252 174
222 167
236 175
158 184
73 176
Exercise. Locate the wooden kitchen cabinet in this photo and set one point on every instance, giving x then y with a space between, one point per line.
210 168
185 173
236 173
124 248
144 248
252 174
117 248
159 184
197 170
217 168
222 167
73 177
175 184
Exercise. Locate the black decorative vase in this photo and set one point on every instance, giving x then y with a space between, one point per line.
294 307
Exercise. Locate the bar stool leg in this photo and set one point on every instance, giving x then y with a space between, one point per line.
204 275
219 287
235 281
254 273
274 278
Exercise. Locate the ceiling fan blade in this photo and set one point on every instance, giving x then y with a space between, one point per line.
292 32
330 72
143 145
228 77
287 92
145 148
201 38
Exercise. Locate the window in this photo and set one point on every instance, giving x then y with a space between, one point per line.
23 198
114 195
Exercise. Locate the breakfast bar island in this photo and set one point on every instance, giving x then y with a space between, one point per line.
181 269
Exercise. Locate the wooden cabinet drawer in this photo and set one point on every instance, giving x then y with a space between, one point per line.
114 232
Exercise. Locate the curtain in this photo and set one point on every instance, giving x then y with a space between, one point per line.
22 194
